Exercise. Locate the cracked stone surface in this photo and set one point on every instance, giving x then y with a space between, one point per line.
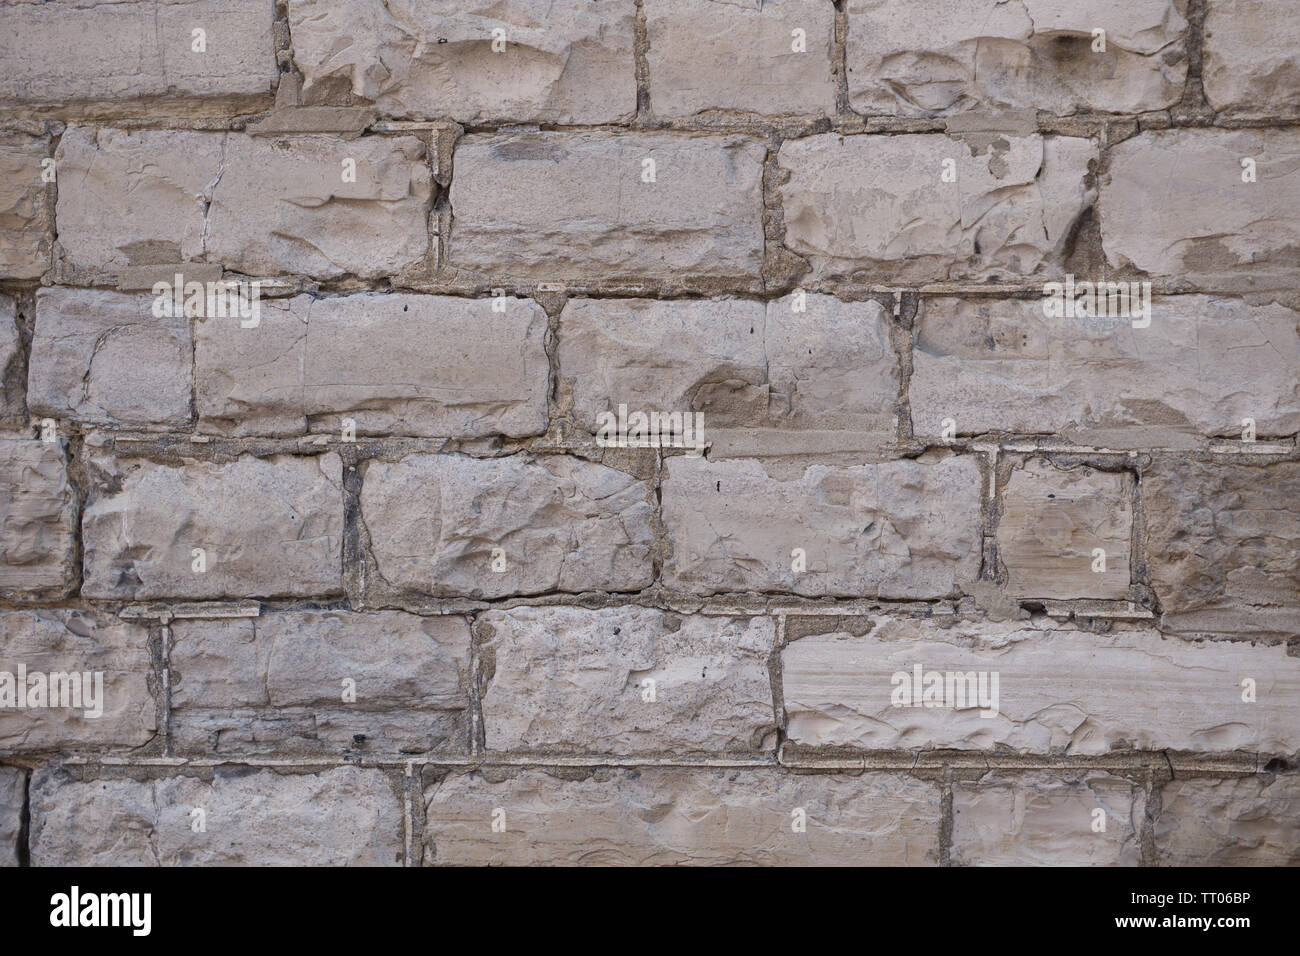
26 226
127 49
38 512
723 55
563 61
394 364
103 358
1047 820
562 524
1060 690
657 817
900 529
568 679
276 683
259 206
1252 57
13 794
940 57
143 520
260 816
1203 365
1053 521
1246 821
1223 544
52 643
878 205
556 206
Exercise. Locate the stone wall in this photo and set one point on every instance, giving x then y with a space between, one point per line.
366 582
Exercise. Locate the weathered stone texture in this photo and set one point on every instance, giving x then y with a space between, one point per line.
12 385
878 207
277 683
13 794
1223 545
394 364
1252 57
722 55
1058 688
657 817
742 364
103 358
1047 820
117 710
38 517
1246 821
251 817
900 529
567 679
91 50
259 206
268 527
25 222
560 523
1053 521
1174 203
557 206
1203 365
566 62
939 57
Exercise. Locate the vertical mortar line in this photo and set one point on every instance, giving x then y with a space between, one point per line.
839 61
1193 103
165 635
778 683
1154 803
1139 578
945 817
407 814
906 316
477 735
990 559
25 822
641 68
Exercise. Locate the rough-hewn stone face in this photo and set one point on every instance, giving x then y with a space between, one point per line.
262 817
1200 367
1246 821
567 62
1047 820
280 683
1223 543
143 522
1252 57
87 682
436 523
865 530
38 513
625 680
558 206
25 224
721 55
84 50
1173 203
938 57
1008 209
259 206
1057 688
13 794
394 364
657 817
103 358
11 386
1054 521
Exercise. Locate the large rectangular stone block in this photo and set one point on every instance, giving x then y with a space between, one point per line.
1203 365
1223 546
1056 689
332 681
759 56
474 61
625 680
658 817
394 364
86 682
348 816
87 50
1240 821
932 207
266 527
26 226
939 57
900 529
103 358
557 206
1252 57
38 515
449 525
313 205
